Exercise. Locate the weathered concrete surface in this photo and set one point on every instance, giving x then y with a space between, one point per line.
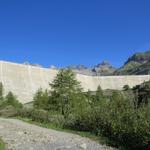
22 136
24 80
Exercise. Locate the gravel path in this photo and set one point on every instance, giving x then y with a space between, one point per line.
23 136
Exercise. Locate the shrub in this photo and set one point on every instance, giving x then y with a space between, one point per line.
70 121
126 87
125 125
39 115
25 112
8 111
57 119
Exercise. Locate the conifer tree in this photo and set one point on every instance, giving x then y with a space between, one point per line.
40 99
66 91
1 92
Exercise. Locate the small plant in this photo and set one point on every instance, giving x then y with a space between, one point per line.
2 146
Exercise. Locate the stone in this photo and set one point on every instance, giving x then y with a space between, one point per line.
1 127
83 146
20 133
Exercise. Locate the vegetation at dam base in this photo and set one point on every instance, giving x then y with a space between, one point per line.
122 117
9 105
2 146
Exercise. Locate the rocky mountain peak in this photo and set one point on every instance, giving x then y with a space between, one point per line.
104 64
137 64
139 57
104 68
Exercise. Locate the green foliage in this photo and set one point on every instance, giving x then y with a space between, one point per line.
99 94
25 112
65 81
1 92
89 97
42 116
126 87
11 100
9 105
39 115
2 146
142 93
65 88
118 120
41 99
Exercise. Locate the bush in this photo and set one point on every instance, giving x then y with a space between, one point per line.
116 119
42 116
39 115
57 119
8 111
70 121
125 125
126 87
25 112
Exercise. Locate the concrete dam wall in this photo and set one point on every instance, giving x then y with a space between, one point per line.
25 80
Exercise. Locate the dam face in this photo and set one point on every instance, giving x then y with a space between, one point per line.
25 80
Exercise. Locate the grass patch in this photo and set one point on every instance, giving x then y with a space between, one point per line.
2 146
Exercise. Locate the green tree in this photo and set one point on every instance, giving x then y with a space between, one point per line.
65 91
89 96
98 97
126 87
1 93
142 94
40 99
11 99
99 93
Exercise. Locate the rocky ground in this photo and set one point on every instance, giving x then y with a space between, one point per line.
23 136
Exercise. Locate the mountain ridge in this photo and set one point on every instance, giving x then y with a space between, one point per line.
137 64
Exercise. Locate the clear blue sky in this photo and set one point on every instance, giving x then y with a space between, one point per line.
65 32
